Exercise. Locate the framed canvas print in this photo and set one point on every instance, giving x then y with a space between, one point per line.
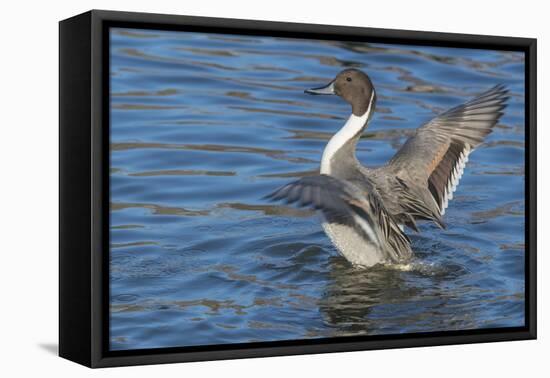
233 188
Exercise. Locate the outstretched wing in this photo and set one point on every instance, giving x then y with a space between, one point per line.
320 192
345 203
436 155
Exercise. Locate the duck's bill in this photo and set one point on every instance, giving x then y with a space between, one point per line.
325 90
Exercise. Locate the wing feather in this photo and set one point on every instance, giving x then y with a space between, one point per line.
435 157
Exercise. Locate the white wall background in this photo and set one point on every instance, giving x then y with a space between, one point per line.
29 186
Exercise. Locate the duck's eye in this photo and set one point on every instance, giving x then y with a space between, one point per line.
348 78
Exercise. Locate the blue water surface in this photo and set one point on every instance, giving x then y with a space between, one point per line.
204 125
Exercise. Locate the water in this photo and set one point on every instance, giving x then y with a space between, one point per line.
203 126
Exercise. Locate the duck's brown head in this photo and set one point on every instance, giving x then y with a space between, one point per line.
354 86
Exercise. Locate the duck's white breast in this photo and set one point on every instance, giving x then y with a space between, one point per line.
352 245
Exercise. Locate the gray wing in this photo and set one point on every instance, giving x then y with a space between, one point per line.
320 192
434 158
346 203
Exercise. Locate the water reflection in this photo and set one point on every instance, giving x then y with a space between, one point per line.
352 293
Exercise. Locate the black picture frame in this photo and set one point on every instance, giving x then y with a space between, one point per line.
84 186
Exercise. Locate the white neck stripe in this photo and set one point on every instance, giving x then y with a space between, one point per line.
353 126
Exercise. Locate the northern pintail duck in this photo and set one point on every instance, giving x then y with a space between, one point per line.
365 209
